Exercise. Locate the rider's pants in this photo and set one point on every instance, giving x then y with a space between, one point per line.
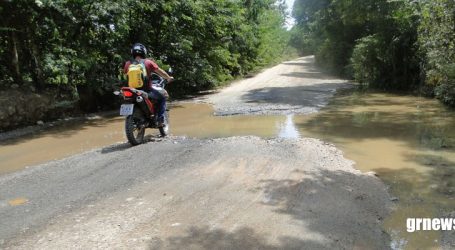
161 102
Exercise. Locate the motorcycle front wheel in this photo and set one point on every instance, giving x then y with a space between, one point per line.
135 127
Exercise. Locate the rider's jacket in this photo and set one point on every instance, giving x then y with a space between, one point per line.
150 66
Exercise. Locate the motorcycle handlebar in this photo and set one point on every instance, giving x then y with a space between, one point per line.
163 81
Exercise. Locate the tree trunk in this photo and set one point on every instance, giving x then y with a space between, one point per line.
39 78
15 59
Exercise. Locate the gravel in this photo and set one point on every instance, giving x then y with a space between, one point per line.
231 193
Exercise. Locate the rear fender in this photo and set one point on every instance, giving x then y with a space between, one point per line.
146 106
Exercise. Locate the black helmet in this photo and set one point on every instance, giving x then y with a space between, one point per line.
139 49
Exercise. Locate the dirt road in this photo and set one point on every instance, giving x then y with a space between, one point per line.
289 88
181 193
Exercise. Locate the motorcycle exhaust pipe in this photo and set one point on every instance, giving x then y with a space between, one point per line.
142 105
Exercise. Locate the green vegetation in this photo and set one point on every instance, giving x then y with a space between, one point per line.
437 42
386 44
78 46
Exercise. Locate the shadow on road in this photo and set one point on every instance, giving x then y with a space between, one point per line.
116 148
346 209
125 146
244 238
304 96
312 200
300 63
309 75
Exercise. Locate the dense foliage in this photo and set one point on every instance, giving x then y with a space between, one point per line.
437 42
388 44
81 44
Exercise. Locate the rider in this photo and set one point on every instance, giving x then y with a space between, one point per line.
139 53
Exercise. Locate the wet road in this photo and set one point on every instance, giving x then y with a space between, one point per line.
195 194
408 140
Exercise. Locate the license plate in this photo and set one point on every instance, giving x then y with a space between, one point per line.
126 109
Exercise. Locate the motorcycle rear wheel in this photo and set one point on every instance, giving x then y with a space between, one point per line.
135 127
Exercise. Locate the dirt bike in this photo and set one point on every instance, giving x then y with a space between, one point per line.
140 112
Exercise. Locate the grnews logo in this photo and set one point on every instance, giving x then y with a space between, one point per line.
428 224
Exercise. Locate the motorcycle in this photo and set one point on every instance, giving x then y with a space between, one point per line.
140 111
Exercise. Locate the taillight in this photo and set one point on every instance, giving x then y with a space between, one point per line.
127 94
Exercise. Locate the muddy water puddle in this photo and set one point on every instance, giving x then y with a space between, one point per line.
59 142
409 141
192 120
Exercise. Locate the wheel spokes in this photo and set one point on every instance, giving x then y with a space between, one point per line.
139 130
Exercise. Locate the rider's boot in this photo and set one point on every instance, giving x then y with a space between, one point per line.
160 122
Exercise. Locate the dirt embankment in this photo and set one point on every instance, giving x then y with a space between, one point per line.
20 108
234 193
23 107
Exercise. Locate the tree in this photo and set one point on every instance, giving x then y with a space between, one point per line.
437 43
80 45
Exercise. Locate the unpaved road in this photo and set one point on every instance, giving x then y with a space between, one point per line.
180 193
235 193
290 88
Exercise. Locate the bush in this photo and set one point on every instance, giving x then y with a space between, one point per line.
437 44
445 89
366 60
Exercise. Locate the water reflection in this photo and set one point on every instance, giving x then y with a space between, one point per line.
197 120
288 128
408 141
